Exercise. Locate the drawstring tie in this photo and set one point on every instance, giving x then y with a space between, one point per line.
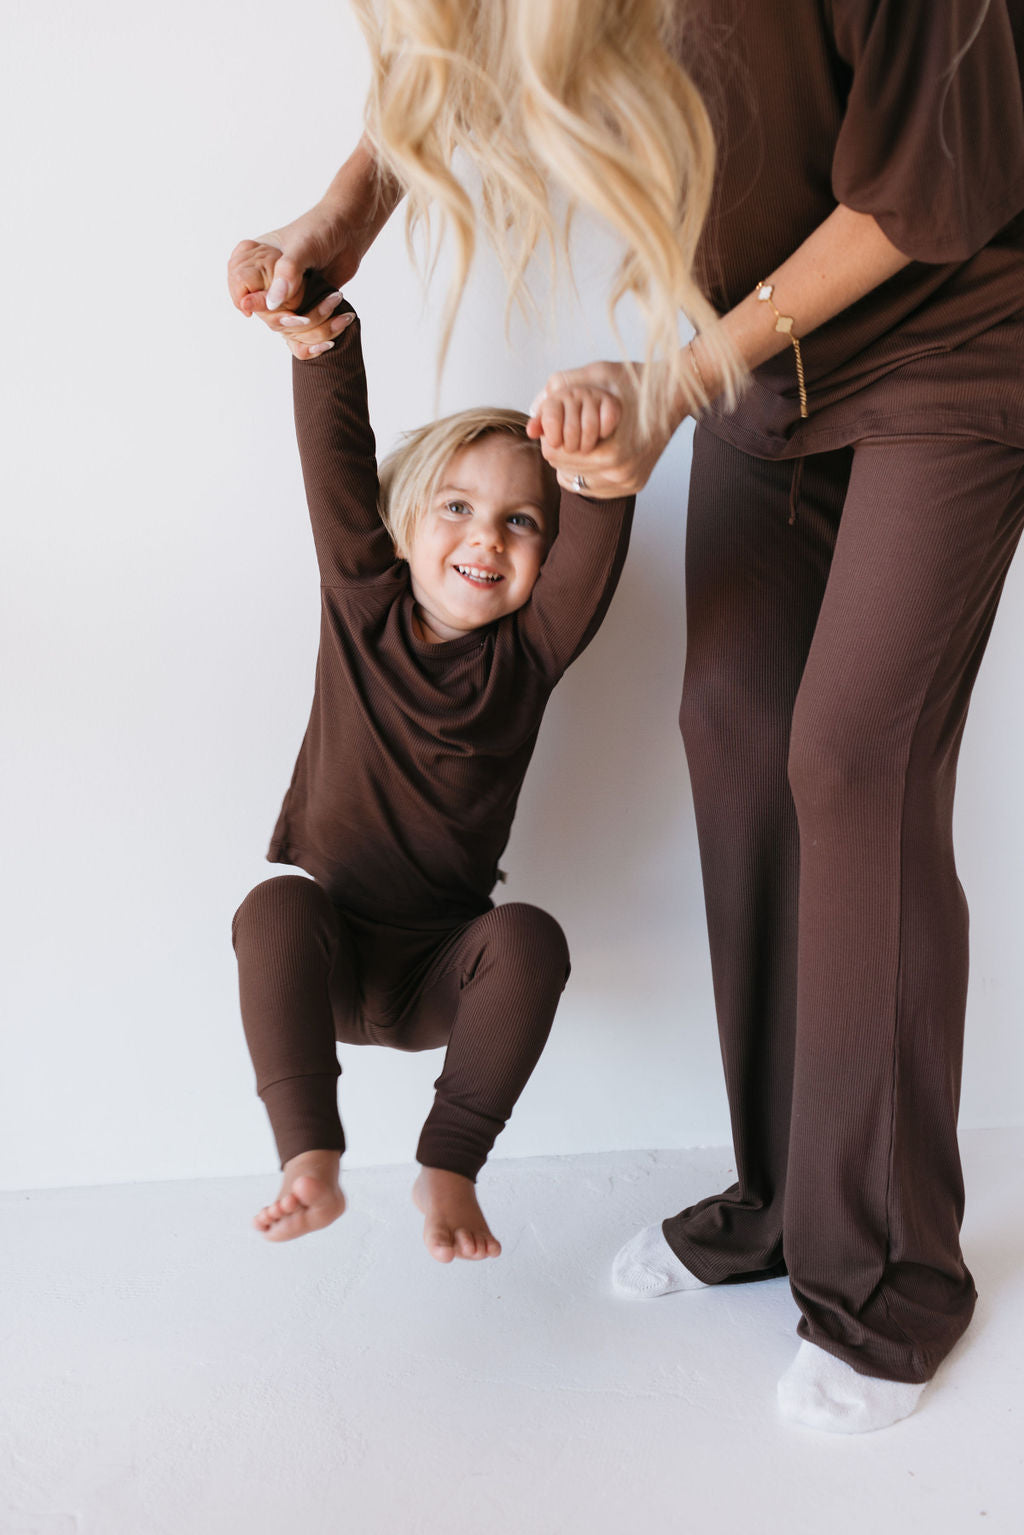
794 490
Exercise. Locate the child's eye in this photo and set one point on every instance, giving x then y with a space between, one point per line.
457 508
524 520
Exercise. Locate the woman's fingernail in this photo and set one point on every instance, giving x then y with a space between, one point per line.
341 323
329 305
321 346
292 321
277 293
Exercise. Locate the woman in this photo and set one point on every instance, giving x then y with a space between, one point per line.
851 522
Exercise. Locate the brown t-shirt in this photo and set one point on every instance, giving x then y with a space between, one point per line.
406 783
817 102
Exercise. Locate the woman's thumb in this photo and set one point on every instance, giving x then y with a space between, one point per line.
286 281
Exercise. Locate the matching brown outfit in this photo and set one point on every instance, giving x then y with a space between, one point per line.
843 573
400 806
842 576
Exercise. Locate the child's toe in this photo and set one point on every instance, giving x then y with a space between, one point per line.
308 1191
441 1242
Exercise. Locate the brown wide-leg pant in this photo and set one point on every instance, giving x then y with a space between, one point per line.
829 668
311 974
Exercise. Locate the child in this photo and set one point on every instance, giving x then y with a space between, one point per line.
442 636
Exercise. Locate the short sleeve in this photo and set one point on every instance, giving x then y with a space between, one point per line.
931 146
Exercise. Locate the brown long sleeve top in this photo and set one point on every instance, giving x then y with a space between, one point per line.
864 102
406 783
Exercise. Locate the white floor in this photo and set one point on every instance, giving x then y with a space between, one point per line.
166 1372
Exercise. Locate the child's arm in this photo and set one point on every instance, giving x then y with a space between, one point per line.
579 576
338 461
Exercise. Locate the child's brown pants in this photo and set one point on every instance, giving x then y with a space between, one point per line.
829 668
310 974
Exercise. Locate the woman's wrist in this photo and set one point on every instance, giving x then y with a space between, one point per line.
361 197
694 384
702 382
749 330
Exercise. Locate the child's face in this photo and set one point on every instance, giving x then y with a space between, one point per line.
476 552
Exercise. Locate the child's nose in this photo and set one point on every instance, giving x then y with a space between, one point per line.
489 535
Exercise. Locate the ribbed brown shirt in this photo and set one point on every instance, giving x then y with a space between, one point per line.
407 780
862 102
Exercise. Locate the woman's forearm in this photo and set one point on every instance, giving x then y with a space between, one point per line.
267 275
361 194
841 261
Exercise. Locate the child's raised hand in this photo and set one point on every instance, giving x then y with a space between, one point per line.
251 269
250 272
573 418
622 460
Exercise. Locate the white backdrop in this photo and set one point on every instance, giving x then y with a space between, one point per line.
160 612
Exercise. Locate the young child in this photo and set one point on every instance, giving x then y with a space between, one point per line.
442 636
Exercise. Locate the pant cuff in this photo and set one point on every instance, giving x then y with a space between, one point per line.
303 1114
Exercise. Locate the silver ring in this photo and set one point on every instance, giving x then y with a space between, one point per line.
578 482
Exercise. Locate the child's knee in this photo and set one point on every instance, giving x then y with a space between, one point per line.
286 902
533 938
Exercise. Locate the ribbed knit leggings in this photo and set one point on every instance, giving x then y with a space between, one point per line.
829 668
311 974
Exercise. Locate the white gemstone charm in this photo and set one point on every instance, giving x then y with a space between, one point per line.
784 326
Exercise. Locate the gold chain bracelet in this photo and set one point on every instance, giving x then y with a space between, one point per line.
784 325
695 365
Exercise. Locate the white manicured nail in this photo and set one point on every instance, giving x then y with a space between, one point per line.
322 346
293 321
329 305
277 293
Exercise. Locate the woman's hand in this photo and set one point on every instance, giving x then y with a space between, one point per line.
267 276
305 335
587 421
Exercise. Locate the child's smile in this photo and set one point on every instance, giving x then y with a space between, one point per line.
476 552
477 575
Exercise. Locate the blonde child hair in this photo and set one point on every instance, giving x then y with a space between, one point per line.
410 475
586 96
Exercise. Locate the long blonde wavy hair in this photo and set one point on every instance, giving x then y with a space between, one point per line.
580 95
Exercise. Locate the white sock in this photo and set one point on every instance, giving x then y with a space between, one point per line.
821 1391
647 1266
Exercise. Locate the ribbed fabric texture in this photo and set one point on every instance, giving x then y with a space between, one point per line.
285 951
829 669
309 974
496 985
400 806
407 779
817 102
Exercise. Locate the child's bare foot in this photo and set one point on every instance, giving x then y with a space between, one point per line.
310 1197
455 1225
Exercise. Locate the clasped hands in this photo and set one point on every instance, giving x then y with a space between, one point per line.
586 419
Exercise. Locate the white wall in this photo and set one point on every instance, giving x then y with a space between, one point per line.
161 608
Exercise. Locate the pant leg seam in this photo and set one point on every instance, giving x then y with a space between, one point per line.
898 1008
